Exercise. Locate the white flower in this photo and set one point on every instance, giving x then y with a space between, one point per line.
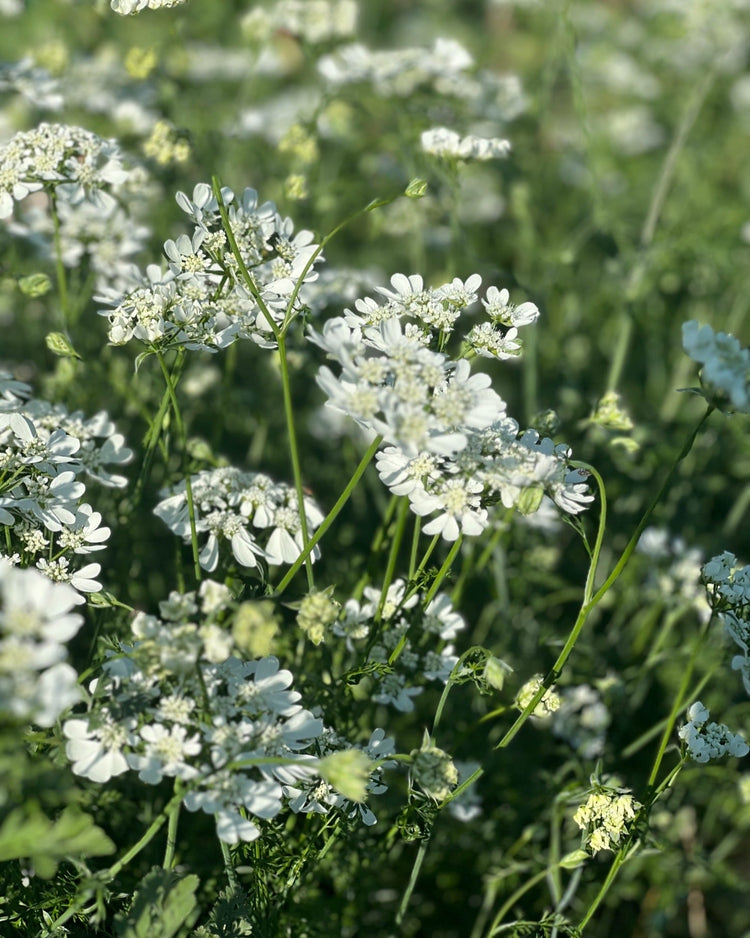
167 750
96 751
706 741
458 504
440 141
726 365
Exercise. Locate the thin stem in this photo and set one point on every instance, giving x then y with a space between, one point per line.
146 839
644 738
441 575
513 898
415 870
651 220
234 247
330 517
590 602
62 283
229 869
443 571
294 453
185 471
677 706
414 546
604 889
279 334
174 817
152 438
398 534
421 568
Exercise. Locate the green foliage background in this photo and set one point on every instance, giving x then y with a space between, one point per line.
571 239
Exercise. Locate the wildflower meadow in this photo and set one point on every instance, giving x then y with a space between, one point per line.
374 468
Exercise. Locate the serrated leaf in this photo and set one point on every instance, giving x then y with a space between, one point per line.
46 842
161 905
230 917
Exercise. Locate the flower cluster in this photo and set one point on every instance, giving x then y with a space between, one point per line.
36 683
125 7
725 365
29 81
314 21
452 449
423 638
728 587
206 300
605 816
440 141
104 233
434 771
71 161
177 703
45 452
706 741
228 503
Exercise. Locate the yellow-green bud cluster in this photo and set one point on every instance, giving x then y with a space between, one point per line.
546 706
254 628
434 772
317 611
606 814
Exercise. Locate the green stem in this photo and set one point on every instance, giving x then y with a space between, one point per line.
604 889
443 571
415 870
234 247
421 568
229 869
62 283
294 453
677 705
174 817
414 546
648 230
644 738
513 898
146 839
330 517
152 437
398 534
185 471
590 602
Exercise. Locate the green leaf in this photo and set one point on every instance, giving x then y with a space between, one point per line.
230 917
416 189
60 345
573 860
161 906
530 499
34 285
46 843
